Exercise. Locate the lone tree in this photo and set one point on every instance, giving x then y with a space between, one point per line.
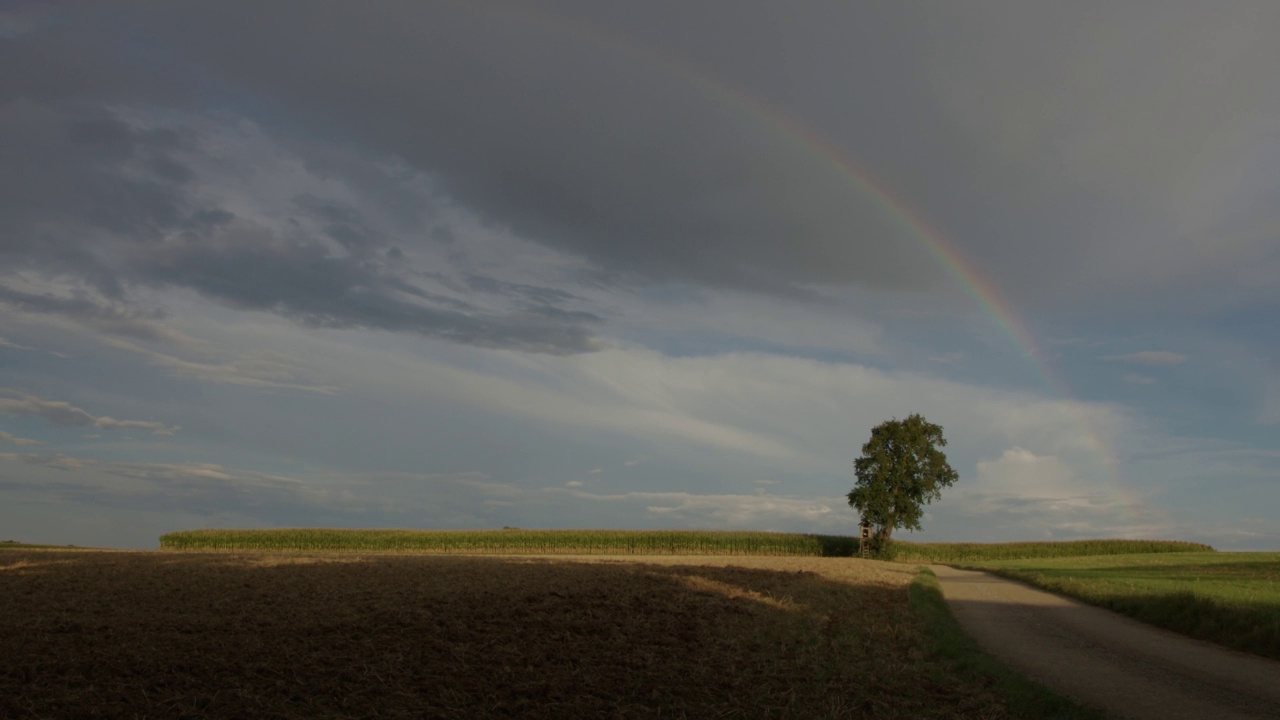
901 470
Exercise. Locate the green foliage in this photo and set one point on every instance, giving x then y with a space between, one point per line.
516 541
886 549
982 552
901 470
1231 598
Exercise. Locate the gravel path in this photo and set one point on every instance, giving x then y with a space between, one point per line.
1108 661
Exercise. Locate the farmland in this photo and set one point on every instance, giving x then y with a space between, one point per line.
173 634
984 552
514 541
636 542
1229 598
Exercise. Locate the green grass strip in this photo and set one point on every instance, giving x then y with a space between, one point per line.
948 553
1025 698
1232 599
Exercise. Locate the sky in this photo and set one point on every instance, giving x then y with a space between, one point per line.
584 264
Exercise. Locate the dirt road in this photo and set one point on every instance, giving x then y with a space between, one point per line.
1108 661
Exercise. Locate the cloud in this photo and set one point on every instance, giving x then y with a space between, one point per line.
110 318
1020 473
660 195
262 369
110 423
6 437
657 179
1150 357
756 413
195 487
122 205
458 500
710 510
248 267
1021 491
573 484
122 179
1269 411
64 414
139 332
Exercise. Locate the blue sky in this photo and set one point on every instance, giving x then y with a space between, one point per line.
563 264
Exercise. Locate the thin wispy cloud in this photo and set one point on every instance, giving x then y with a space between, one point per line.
1150 357
64 414
14 440
1139 379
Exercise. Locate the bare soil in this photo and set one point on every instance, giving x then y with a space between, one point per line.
1108 661
174 635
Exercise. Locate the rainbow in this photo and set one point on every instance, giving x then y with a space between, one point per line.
983 292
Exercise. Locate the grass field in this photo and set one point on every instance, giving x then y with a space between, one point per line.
1229 598
196 635
948 553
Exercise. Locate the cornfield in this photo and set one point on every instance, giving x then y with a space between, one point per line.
640 542
512 541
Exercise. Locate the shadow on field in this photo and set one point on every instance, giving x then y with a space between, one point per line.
838 545
203 635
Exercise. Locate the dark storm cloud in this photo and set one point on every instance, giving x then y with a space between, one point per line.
534 296
63 184
250 268
649 140
1050 145
598 150
341 222
79 55
101 205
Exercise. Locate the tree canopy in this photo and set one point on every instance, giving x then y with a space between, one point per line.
901 470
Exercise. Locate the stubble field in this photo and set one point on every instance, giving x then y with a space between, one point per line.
176 635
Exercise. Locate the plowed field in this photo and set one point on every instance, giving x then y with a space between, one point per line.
115 634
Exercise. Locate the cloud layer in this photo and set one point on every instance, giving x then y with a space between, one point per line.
564 263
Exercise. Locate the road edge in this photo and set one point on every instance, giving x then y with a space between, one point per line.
947 639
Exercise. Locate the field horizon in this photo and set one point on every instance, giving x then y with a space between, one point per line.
676 542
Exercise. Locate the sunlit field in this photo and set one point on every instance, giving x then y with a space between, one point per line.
170 634
1228 598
